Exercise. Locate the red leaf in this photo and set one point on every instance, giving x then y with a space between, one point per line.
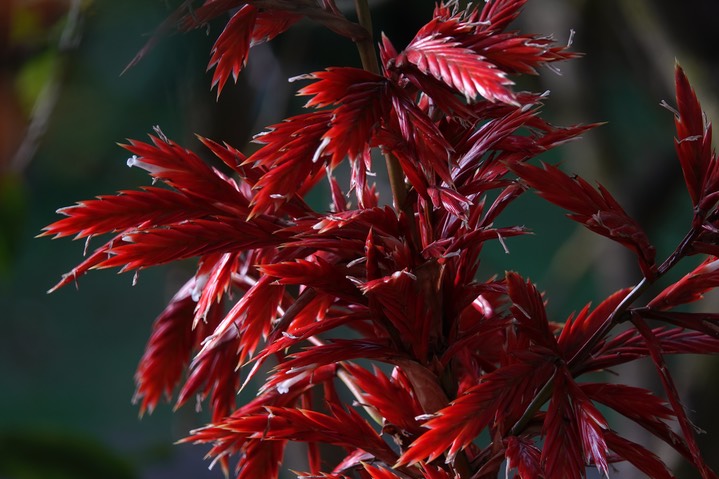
270 23
249 319
293 157
459 67
642 407
380 473
597 210
128 209
97 257
528 310
498 14
212 280
230 51
362 100
214 374
578 331
393 399
395 297
592 427
562 454
693 142
185 171
151 247
690 288
524 456
342 428
500 395
655 351
643 459
167 352
317 273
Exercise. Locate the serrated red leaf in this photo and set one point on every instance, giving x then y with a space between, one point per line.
640 457
458 67
199 237
393 398
529 313
524 456
317 273
577 331
127 209
498 14
694 143
642 407
293 157
361 97
342 427
687 428
500 395
691 287
595 209
232 47
562 453
167 352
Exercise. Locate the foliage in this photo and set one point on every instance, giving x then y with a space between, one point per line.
479 377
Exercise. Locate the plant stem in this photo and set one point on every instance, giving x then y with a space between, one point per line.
368 57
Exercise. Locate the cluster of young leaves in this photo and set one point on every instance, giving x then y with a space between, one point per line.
469 363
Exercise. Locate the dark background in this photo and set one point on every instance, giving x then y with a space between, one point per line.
67 359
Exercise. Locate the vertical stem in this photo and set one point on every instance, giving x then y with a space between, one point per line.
369 62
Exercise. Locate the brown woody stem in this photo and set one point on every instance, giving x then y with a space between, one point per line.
369 62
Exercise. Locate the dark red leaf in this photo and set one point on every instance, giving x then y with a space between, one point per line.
562 453
597 210
689 288
687 428
643 459
528 311
694 142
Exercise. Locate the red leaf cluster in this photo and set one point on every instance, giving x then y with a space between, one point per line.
467 373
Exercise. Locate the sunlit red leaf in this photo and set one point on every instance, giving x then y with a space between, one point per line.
232 47
293 157
361 97
498 14
459 67
151 247
342 427
249 320
128 209
528 310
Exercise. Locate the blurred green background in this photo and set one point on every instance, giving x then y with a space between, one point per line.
67 359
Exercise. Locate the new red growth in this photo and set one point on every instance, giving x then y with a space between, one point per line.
476 378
